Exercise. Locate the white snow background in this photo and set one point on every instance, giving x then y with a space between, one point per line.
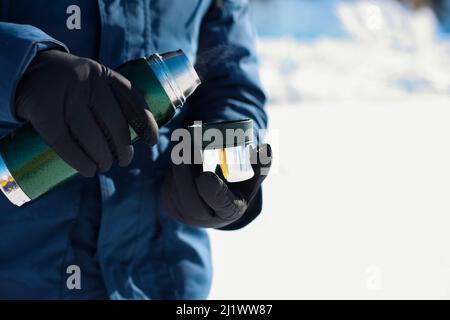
358 204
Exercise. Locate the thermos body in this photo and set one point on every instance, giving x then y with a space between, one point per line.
29 167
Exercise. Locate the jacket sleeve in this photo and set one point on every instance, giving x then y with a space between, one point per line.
228 66
18 46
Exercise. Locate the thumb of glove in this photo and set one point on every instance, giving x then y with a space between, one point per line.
229 201
134 108
216 194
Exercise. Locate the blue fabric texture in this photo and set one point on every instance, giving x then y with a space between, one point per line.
19 44
113 226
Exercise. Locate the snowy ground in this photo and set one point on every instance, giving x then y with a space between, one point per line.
358 205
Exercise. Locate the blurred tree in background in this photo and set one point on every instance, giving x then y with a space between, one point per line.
440 7
417 4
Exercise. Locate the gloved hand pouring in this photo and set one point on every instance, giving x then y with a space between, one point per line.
82 110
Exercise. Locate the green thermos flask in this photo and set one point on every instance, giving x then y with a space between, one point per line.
29 168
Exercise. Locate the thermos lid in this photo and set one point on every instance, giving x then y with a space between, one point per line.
176 74
224 134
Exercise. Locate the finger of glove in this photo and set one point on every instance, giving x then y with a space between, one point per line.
109 116
216 194
70 151
261 160
90 137
135 108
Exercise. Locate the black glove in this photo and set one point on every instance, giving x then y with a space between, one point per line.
82 110
204 199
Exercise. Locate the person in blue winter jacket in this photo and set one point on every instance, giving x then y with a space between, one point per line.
109 224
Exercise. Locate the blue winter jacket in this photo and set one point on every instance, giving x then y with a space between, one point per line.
112 227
